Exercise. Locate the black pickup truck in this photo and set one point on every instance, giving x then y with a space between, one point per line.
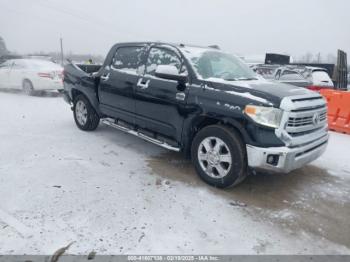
203 102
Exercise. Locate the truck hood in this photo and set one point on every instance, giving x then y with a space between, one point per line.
262 91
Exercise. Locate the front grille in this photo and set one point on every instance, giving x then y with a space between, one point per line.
306 115
297 134
307 120
304 119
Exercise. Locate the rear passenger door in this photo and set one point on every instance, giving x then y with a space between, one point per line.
117 83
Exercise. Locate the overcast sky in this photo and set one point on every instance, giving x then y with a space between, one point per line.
244 27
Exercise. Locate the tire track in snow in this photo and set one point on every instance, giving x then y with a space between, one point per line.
14 223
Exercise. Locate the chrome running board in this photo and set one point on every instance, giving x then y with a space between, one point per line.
111 122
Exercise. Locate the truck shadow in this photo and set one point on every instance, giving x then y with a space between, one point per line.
308 199
263 186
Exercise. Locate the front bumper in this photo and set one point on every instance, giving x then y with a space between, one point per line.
289 158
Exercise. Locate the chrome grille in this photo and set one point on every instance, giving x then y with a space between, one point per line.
307 120
304 119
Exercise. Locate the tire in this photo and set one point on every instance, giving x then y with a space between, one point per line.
85 115
27 87
219 156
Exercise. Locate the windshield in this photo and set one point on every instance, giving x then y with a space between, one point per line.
215 64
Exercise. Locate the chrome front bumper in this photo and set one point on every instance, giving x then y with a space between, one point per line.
289 158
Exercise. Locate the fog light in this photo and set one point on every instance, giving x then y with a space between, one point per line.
273 159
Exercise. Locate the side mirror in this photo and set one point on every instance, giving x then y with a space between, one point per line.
170 72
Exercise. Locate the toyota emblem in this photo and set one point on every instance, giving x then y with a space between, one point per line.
316 119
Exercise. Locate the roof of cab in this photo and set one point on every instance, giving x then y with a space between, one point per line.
178 45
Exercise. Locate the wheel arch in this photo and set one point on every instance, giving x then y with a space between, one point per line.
28 80
203 121
75 92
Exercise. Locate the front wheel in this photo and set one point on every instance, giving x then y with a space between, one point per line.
27 87
219 156
85 115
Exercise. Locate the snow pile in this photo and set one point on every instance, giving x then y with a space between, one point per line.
59 184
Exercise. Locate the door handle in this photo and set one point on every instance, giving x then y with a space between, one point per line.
105 77
143 84
180 96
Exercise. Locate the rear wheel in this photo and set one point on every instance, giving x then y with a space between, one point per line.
85 115
219 156
27 87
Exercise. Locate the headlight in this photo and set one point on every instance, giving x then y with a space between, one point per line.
267 116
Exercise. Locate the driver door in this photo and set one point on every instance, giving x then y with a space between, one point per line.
160 103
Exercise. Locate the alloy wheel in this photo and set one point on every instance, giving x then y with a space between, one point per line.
214 157
81 112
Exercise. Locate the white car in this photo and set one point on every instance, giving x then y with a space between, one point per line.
318 77
30 75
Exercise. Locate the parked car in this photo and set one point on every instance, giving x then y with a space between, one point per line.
203 102
266 71
317 76
30 75
313 78
290 76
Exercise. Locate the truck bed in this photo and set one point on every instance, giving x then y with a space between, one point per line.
89 68
82 78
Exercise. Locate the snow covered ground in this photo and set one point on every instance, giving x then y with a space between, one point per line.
116 194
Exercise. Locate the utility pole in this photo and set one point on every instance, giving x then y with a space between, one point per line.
319 57
62 58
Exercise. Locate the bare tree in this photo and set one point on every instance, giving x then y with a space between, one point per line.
308 57
3 49
331 58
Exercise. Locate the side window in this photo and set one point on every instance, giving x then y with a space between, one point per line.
127 58
161 56
18 65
